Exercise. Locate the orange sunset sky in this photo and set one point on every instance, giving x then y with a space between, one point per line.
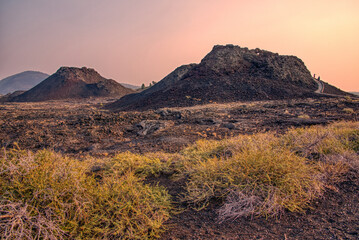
139 41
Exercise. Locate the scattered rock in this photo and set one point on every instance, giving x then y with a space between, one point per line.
175 140
147 127
301 121
228 125
167 113
208 121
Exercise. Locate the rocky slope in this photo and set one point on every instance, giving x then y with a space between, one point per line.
330 89
21 81
228 73
71 82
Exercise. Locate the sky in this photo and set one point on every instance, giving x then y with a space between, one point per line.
140 41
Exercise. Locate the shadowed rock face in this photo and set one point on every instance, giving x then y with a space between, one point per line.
21 81
228 73
71 82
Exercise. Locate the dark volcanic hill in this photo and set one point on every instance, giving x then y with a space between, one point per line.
21 81
228 73
71 82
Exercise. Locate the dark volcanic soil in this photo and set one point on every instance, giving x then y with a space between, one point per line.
84 128
76 127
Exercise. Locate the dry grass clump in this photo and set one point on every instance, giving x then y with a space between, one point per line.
271 176
18 220
335 147
48 196
319 142
265 174
150 164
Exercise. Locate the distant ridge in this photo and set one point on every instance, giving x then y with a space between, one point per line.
130 86
71 82
226 74
21 82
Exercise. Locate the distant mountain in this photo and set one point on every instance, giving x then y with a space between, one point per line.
227 74
130 86
355 93
71 82
21 81
8 97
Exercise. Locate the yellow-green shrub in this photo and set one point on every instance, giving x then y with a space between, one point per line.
264 173
56 197
150 164
259 167
333 139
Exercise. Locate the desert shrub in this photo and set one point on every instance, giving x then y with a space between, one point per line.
320 141
150 164
203 149
259 167
265 174
49 196
334 147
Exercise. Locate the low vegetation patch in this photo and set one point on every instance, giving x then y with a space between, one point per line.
255 176
265 174
45 195
48 196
